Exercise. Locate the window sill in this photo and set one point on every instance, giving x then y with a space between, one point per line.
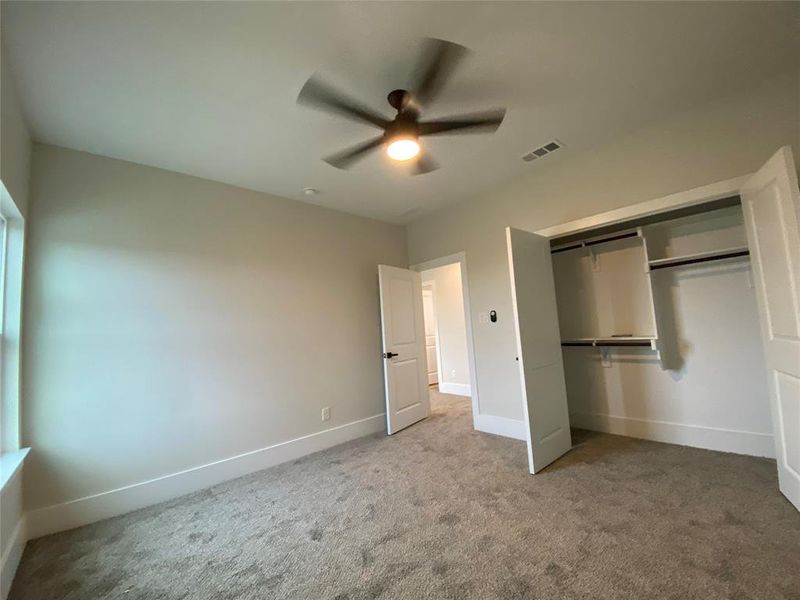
10 463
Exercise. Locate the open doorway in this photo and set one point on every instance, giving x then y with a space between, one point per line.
448 332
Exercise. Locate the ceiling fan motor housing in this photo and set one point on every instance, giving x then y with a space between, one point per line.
403 126
399 99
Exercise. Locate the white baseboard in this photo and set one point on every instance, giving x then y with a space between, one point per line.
89 509
511 428
459 389
710 438
11 557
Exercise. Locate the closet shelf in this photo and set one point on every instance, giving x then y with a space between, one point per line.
700 257
603 239
628 340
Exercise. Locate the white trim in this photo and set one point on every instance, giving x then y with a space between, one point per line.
698 195
698 436
461 259
459 389
10 463
96 507
11 557
511 428
12 276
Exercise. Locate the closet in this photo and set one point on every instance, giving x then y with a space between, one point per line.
659 330
677 320
608 285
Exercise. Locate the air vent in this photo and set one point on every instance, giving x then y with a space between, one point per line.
542 150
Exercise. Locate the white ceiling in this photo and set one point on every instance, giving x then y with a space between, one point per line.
209 88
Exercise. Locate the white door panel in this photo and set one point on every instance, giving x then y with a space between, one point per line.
771 206
788 390
406 384
404 361
403 326
431 350
538 347
430 355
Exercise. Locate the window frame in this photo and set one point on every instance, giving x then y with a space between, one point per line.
12 238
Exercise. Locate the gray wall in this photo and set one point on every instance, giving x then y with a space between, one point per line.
173 321
723 139
15 140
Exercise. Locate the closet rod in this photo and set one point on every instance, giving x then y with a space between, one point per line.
624 343
594 241
698 259
612 341
596 344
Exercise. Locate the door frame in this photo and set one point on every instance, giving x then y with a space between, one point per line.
461 259
693 197
431 286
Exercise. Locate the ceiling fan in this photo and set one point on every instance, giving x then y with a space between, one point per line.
401 134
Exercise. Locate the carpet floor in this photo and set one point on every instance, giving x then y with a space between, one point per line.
440 511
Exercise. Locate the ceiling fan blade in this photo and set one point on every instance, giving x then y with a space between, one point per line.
472 123
438 61
345 158
319 94
424 164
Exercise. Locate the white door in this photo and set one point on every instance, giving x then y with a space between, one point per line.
771 204
404 368
541 365
430 336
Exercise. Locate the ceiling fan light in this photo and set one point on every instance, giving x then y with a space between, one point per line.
404 148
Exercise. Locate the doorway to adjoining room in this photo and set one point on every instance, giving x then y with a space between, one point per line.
447 334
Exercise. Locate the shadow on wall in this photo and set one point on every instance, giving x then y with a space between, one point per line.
676 344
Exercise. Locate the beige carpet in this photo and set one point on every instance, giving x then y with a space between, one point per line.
439 511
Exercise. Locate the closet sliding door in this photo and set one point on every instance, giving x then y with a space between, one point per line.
771 203
541 365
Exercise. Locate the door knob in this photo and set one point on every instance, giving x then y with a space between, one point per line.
390 354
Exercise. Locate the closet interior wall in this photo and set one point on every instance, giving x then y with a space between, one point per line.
703 383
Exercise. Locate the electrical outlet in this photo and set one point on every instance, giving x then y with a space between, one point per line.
453 373
326 413
483 317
